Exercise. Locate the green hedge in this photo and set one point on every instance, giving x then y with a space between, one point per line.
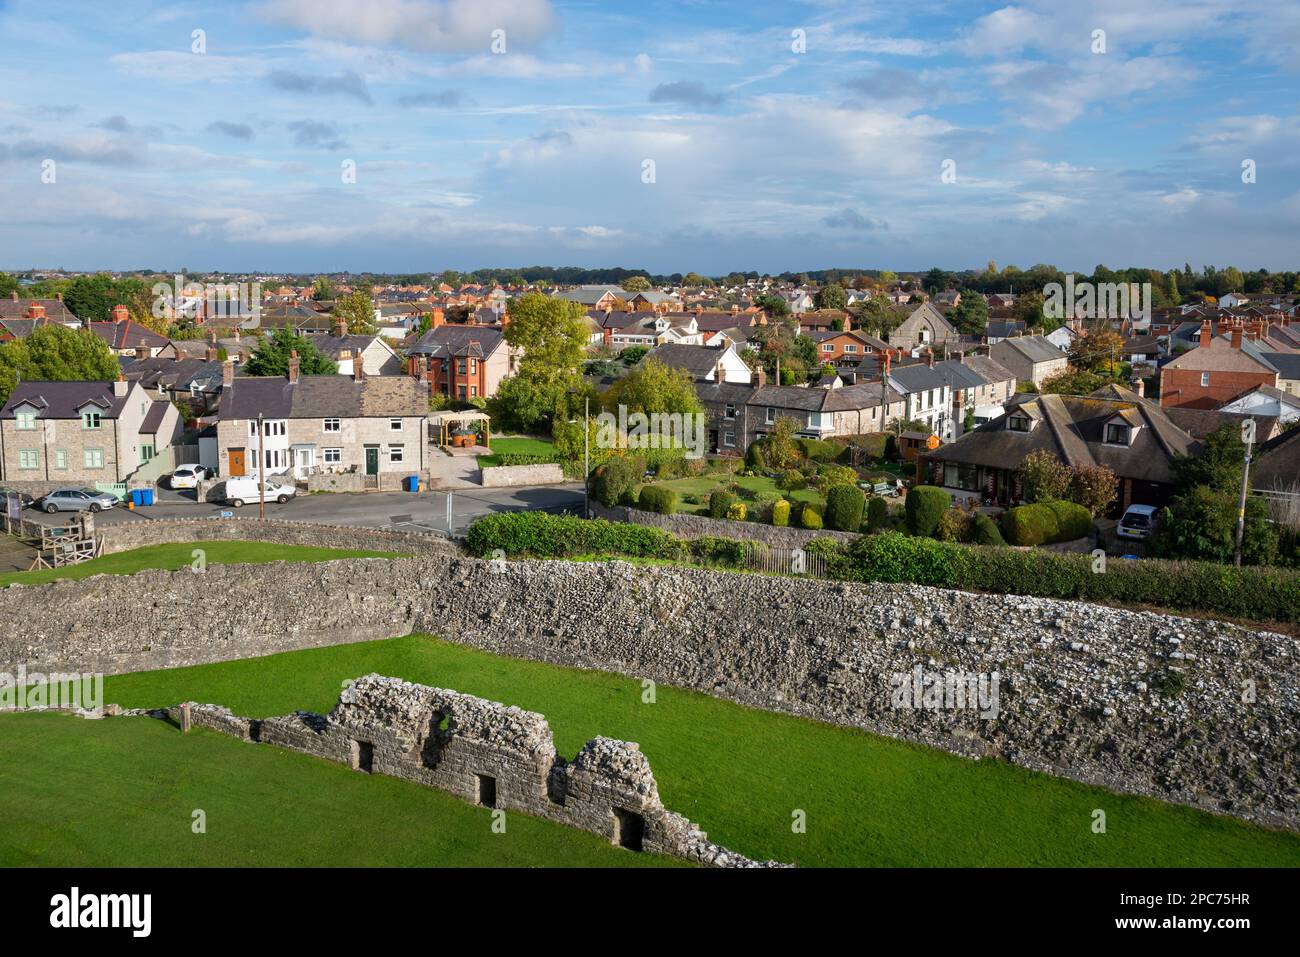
810 518
781 513
844 504
543 535
877 513
720 499
1072 520
657 498
924 507
613 483
1045 522
984 531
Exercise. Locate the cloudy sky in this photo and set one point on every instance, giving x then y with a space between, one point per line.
417 135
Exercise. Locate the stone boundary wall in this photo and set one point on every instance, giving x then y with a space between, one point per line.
701 526
487 754
1139 702
509 476
124 536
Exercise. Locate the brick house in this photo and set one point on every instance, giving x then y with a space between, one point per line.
127 338
78 433
844 348
1217 371
323 423
462 362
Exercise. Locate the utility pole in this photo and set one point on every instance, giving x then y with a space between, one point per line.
1248 437
261 467
586 457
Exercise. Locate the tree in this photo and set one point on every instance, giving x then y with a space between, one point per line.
1217 466
55 353
323 290
971 314
8 285
654 387
1202 526
1099 350
831 296
774 306
272 356
553 339
1043 477
780 450
636 283
1094 487
91 298
358 312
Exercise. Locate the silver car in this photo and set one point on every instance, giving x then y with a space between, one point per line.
76 500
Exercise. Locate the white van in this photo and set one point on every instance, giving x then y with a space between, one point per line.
244 491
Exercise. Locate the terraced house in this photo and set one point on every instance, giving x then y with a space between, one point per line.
375 428
79 433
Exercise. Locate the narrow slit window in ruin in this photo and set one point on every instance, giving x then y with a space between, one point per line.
629 829
363 756
487 790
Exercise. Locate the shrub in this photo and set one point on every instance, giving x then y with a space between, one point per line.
984 531
1030 525
1044 477
658 498
755 457
525 458
558 536
671 468
810 517
613 482
761 511
844 504
781 513
820 451
1072 520
831 475
711 550
737 512
954 526
924 508
719 501
877 513
791 480
822 546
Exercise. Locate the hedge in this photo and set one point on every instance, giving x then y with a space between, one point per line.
810 517
1073 520
719 501
844 504
924 507
877 513
543 535
658 498
781 513
1030 525
984 531
613 482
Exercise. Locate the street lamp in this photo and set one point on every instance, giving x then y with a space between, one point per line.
261 476
586 453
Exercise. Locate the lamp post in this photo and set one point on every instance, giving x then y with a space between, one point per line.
261 476
586 457
1248 437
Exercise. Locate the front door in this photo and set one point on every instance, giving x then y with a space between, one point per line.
237 467
372 461
306 459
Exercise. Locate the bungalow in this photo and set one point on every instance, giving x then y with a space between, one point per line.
76 433
1030 358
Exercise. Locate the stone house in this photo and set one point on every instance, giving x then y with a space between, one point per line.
1031 358
377 356
924 326
324 424
79 433
860 409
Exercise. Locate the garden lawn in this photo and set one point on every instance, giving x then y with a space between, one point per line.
177 555
515 445
740 773
703 485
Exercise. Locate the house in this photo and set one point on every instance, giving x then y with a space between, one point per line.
844 348
704 363
999 329
595 297
376 427
649 329
823 320
926 393
798 302
377 356
979 388
1063 338
859 409
127 337
462 362
196 380
78 433
924 326
1218 370
1030 358
1277 466
1266 401
1117 428
52 310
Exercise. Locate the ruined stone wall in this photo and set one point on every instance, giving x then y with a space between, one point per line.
488 754
1181 709
123 536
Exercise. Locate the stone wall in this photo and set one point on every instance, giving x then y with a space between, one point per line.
509 476
120 537
1185 710
488 754
701 526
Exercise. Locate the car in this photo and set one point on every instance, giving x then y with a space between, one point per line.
245 491
75 500
23 497
1139 521
187 476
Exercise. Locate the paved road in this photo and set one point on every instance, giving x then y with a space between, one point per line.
424 511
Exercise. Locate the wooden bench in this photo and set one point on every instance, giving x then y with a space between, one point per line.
880 488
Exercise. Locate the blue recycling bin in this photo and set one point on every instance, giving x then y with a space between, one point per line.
413 483
148 496
137 497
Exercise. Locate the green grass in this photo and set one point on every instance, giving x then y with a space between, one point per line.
702 485
179 555
738 772
515 445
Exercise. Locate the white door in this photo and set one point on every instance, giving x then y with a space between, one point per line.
306 459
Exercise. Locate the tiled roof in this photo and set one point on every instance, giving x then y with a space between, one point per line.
324 396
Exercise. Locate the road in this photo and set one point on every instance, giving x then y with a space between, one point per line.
402 511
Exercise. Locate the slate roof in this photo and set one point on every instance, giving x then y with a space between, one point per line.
171 373
55 310
1278 463
61 400
917 378
153 420
1034 348
324 396
988 368
473 342
127 335
1004 329
845 399
699 361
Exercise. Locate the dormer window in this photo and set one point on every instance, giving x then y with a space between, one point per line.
1117 434
90 419
1018 423
26 420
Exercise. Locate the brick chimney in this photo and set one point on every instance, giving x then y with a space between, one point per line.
120 386
1207 332
294 364
929 358
34 310
212 354
227 374
340 328
142 350
437 318
358 369
121 314
1236 334
760 377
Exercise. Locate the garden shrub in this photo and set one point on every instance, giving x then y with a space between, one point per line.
737 512
831 475
612 483
810 517
1073 520
954 526
719 501
671 468
544 535
877 513
781 513
658 498
821 451
761 511
755 457
525 458
924 508
844 504
791 480
1030 525
984 531
711 550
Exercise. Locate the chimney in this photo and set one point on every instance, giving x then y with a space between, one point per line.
437 318
142 350
212 354
340 328
121 314
120 386
1140 388
294 364
929 358
1236 334
59 296
34 310
886 373
358 369
760 377
227 374
1207 332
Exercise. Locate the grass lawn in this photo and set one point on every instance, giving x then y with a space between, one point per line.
515 445
702 485
179 555
738 772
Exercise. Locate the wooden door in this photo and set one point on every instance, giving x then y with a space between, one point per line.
237 467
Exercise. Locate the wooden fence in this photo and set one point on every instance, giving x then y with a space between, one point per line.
773 560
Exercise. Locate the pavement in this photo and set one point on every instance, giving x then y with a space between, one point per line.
400 511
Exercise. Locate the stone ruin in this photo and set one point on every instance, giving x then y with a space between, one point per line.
486 753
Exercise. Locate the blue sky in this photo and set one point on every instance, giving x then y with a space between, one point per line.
764 157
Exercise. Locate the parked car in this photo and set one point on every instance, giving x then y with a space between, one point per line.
1139 521
23 497
187 476
75 500
244 491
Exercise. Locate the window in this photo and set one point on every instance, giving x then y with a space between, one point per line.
332 425
460 366
730 412
1018 423
827 347
460 392
396 453
1205 379
90 420
60 458
964 477
771 416
252 428
473 366
473 391
146 454
1117 435
850 348
333 456
26 420
394 425
94 458
29 459
729 439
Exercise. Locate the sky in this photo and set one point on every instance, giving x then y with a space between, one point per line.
421 135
